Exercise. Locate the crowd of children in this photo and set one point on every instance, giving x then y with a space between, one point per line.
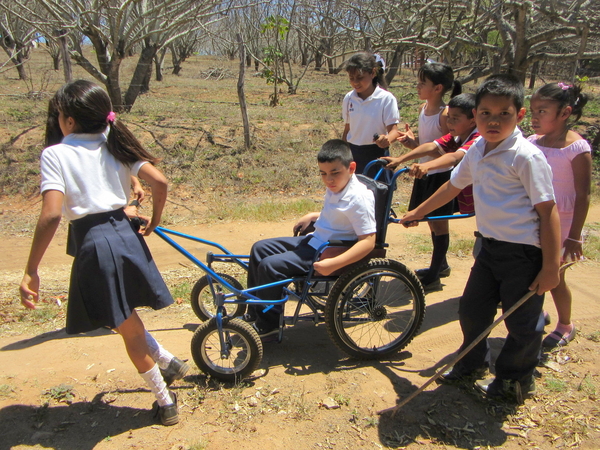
531 197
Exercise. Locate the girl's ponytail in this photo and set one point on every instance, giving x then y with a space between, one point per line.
456 89
90 106
579 101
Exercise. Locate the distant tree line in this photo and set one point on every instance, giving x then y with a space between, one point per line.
477 37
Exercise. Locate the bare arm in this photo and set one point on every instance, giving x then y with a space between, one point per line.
138 190
305 221
358 251
44 232
385 141
158 184
427 149
345 132
548 277
582 175
444 161
443 195
407 137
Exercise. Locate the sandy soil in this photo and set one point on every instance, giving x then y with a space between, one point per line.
283 405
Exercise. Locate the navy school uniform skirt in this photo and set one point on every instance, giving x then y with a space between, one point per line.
113 273
425 187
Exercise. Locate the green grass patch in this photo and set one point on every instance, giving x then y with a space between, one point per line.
63 393
594 336
461 247
555 384
588 386
266 210
6 391
181 290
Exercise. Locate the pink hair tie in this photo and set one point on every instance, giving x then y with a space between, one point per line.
564 86
111 117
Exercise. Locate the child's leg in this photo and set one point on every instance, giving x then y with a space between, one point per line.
158 352
441 241
517 266
565 330
133 333
477 308
273 260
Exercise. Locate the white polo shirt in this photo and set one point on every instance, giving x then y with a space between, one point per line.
346 215
507 183
369 116
89 176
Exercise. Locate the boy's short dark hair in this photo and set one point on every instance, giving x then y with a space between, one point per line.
333 150
464 102
504 85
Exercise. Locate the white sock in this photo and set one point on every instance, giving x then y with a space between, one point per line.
158 352
157 385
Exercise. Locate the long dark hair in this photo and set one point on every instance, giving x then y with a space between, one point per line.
440 73
564 95
89 105
366 62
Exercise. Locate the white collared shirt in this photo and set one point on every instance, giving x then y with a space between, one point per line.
89 176
346 215
507 183
369 116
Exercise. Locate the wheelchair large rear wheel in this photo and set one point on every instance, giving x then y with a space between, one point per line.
203 302
244 349
375 309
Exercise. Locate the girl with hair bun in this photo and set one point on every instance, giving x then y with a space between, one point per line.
553 108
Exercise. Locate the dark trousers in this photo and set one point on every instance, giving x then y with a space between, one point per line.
273 260
502 274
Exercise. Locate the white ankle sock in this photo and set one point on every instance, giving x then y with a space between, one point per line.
158 352
157 385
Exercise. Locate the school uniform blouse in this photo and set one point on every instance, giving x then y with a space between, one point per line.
90 177
346 214
507 183
430 129
369 116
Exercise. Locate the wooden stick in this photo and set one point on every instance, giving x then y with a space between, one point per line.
458 357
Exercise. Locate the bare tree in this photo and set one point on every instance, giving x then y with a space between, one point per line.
116 28
16 36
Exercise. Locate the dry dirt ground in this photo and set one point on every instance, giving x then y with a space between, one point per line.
82 392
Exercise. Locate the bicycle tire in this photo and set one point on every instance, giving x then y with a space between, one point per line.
243 343
203 303
375 309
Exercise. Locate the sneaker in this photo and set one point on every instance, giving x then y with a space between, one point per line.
556 339
444 273
434 286
176 370
460 376
508 390
168 414
267 334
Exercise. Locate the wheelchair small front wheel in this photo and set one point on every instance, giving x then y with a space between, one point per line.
375 309
242 353
203 302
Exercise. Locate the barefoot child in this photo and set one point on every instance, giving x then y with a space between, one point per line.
434 80
87 168
553 107
517 218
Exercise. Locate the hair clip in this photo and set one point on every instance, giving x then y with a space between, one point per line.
111 117
564 86
379 59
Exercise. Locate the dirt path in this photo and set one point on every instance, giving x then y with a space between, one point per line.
283 407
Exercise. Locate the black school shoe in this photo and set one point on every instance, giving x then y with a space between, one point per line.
461 376
444 273
511 391
176 370
168 414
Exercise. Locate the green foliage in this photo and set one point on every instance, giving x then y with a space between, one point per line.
63 393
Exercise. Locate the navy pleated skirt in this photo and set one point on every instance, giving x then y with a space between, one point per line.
113 273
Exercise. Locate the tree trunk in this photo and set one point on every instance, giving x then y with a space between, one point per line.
158 63
143 69
534 71
64 53
242 94
395 65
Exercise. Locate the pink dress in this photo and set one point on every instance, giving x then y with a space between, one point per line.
562 178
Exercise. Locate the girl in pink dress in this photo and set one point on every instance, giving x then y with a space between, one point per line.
552 108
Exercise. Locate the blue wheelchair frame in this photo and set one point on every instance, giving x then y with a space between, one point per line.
247 296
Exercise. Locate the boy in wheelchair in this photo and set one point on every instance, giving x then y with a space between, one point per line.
348 214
